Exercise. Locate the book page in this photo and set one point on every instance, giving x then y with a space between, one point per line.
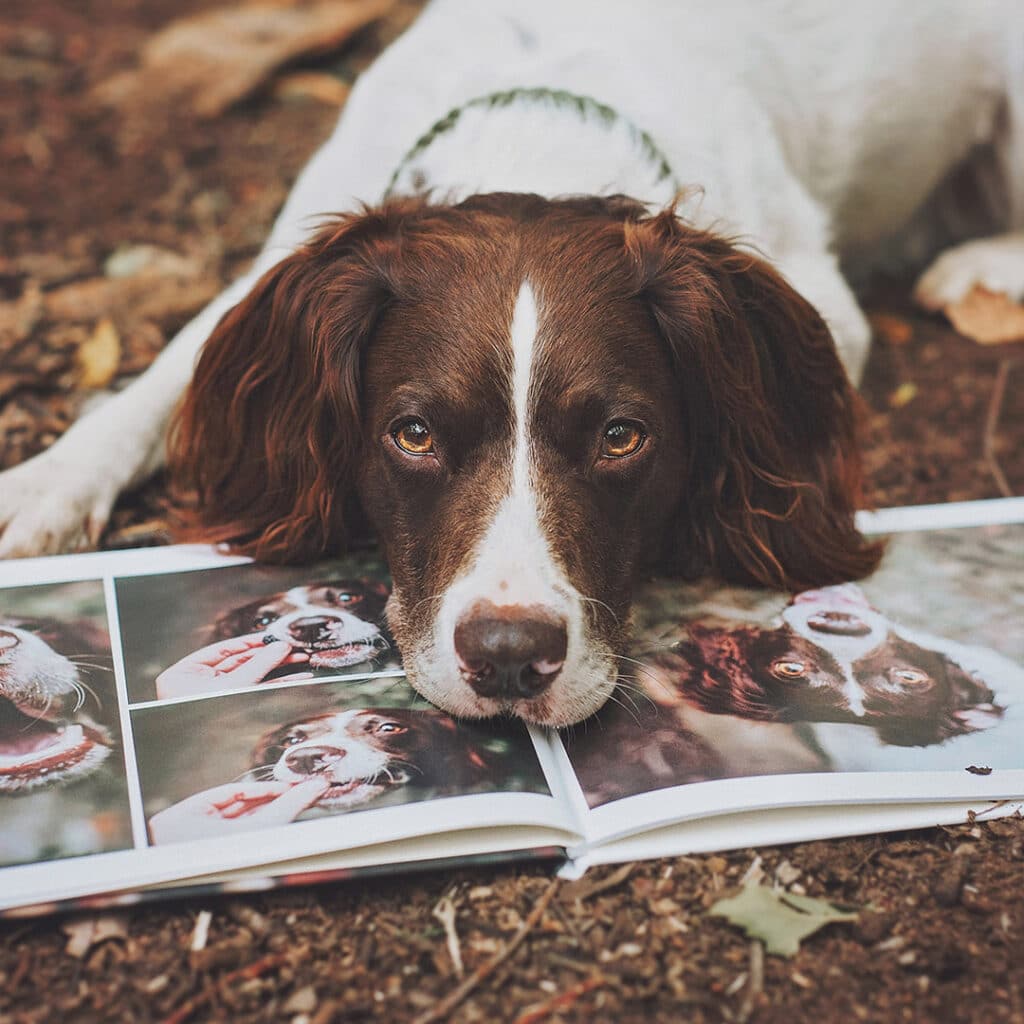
217 715
905 687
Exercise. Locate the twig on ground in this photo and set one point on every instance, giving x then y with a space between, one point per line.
583 891
995 408
756 984
561 1001
201 932
253 970
443 1007
444 911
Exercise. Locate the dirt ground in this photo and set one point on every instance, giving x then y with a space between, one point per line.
942 935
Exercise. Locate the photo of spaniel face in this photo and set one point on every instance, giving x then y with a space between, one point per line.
833 658
368 752
337 623
48 736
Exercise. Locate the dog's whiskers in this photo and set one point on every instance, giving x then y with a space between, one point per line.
648 674
601 604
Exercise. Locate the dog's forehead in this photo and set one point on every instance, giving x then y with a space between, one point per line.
571 344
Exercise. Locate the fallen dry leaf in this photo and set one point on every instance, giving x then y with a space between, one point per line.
893 330
143 296
215 59
85 932
989 318
19 318
314 85
99 355
903 395
779 919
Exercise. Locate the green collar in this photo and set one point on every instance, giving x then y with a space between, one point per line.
584 106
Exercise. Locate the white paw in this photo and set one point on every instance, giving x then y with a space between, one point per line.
53 504
995 263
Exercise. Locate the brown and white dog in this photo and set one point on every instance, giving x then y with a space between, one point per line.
528 397
47 736
517 487
368 752
833 658
336 622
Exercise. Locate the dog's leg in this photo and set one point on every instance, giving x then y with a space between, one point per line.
61 499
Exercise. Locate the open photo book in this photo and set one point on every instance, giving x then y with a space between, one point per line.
175 720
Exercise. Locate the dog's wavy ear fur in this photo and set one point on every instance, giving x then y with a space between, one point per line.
264 446
774 474
713 670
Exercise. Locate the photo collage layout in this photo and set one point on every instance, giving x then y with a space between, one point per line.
149 709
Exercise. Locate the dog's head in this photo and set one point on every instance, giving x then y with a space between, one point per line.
834 658
47 736
913 695
337 623
367 752
527 400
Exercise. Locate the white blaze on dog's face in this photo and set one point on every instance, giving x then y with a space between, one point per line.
511 630
44 739
840 620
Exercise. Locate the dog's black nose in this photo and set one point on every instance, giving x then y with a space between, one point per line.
312 760
310 629
511 652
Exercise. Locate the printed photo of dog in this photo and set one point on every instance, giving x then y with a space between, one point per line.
193 633
62 781
832 658
271 757
919 670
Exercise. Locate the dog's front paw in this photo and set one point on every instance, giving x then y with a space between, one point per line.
52 504
995 263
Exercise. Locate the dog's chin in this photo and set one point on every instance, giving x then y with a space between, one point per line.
565 703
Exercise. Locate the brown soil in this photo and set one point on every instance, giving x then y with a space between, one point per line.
944 933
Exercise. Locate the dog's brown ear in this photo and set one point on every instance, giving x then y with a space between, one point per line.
774 475
264 445
713 670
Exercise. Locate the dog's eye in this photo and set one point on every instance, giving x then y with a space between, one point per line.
292 738
389 727
908 676
413 437
622 438
789 669
265 619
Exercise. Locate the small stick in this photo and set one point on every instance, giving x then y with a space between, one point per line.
561 1001
445 913
995 408
618 876
253 970
756 984
444 1006
201 932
